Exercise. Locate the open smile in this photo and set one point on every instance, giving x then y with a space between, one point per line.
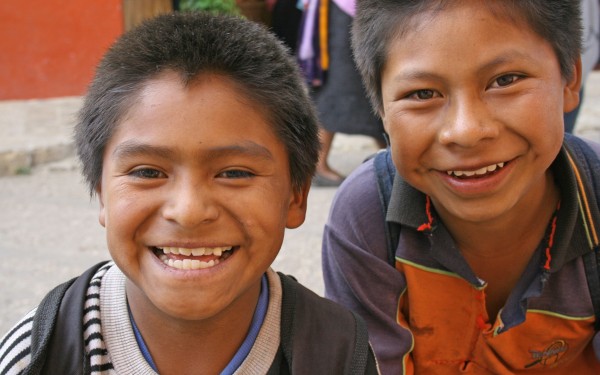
484 171
193 259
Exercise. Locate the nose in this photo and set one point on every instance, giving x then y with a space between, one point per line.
189 204
467 122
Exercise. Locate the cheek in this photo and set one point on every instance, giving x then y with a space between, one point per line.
545 128
124 215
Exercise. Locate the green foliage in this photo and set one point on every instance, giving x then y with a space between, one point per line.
213 6
21 171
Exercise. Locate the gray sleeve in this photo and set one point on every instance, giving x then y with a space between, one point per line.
355 268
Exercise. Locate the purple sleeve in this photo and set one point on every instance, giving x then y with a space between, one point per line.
594 145
596 342
355 268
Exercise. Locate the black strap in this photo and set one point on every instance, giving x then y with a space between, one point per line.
385 172
44 322
590 164
362 359
57 333
287 317
361 348
590 262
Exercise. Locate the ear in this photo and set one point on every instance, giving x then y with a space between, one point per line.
572 88
297 206
101 214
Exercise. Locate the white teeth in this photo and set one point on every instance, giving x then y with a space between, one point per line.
218 251
184 251
479 172
491 168
198 252
191 264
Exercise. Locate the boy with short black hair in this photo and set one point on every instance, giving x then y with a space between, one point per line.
199 139
492 218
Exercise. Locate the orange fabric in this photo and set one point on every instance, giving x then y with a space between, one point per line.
452 333
323 33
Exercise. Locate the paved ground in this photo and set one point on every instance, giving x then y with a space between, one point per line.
48 224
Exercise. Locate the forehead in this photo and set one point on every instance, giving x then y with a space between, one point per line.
439 29
168 85
418 17
211 109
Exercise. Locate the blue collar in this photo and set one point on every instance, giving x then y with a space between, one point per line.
244 349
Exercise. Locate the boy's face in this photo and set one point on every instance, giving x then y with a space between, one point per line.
474 108
195 197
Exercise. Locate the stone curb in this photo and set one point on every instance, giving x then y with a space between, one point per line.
22 161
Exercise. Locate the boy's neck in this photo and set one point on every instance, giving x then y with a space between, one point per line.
181 346
518 231
498 252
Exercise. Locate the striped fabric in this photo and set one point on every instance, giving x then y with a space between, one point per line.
15 346
105 318
15 349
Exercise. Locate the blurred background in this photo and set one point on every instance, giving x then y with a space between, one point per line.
49 230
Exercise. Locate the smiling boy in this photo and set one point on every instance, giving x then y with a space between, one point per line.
199 139
496 211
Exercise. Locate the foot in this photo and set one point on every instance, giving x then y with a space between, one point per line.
327 178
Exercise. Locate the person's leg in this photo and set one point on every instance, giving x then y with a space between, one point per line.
326 176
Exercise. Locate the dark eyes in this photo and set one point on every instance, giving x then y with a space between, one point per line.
501 81
506 80
422 94
235 173
148 173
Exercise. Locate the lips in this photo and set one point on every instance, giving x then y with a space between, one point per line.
192 258
476 173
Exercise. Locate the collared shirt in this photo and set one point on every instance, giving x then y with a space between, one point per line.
257 320
428 314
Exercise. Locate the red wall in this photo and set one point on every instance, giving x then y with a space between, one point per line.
50 48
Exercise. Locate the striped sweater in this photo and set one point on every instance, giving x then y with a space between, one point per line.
109 339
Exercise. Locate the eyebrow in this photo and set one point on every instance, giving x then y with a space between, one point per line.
133 148
505 58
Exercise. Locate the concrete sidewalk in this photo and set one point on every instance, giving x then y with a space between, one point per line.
35 132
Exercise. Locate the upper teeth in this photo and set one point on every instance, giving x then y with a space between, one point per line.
480 171
191 264
217 251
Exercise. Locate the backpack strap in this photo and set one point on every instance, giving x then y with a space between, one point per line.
288 302
57 333
591 262
309 326
589 162
385 171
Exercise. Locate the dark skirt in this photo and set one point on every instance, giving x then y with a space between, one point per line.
342 103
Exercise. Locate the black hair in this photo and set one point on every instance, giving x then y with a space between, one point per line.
192 44
379 22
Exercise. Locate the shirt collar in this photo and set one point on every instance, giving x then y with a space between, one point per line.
407 208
